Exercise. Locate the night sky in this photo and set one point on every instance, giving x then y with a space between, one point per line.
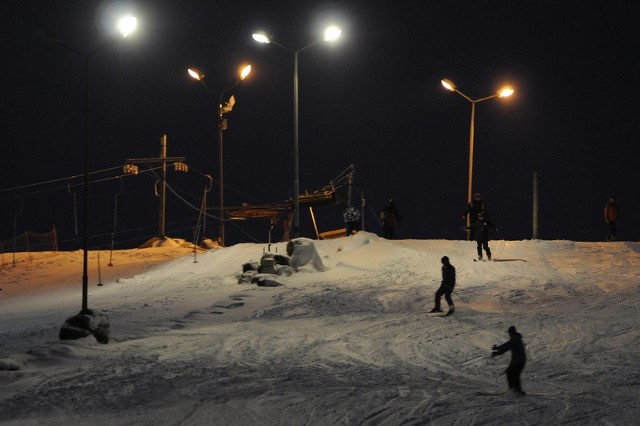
373 99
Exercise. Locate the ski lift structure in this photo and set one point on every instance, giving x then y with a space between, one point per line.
337 192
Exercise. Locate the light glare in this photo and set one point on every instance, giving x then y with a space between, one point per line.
127 25
448 84
506 91
261 38
332 33
194 73
245 72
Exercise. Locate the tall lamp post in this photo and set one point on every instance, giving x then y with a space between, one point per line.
126 26
330 34
502 93
222 109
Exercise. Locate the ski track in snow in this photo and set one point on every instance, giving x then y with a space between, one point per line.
350 347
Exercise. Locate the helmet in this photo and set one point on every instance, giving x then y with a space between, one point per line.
477 196
444 260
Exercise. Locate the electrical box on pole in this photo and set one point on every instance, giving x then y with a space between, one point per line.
132 166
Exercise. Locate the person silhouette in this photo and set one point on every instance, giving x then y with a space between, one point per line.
611 216
518 359
389 216
446 286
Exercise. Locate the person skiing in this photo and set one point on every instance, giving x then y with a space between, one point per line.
470 215
389 216
351 218
611 216
518 359
481 231
446 286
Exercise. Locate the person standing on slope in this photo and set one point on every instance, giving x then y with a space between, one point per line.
388 217
351 218
470 215
518 359
446 286
481 231
611 216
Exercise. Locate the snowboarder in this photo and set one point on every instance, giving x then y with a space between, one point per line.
389 216
518 359
351 218
611 216
470 215
481 231
446 286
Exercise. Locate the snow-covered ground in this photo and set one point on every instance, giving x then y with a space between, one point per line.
349 345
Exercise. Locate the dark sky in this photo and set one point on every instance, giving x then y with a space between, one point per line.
373 99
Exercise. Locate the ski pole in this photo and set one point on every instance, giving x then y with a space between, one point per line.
461 298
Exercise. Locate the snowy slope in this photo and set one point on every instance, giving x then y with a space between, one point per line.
351 345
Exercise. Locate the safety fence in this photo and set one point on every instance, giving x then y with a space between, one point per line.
30 242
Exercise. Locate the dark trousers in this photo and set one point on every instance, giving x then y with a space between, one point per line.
613 230
387 232
513 376
484 244
446 291
352 227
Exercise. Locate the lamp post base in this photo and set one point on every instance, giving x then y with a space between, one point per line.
84 324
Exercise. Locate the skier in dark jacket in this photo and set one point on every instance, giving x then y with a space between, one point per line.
388 217
518 359
446 286
481 232
470 215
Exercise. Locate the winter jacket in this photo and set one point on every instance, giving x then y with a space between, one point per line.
448 276
612 211
516 347
473 208
389 215
351 215
481 228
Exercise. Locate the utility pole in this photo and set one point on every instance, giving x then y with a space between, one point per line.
131 165
535 206
163 187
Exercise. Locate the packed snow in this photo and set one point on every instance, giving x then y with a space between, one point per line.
342 341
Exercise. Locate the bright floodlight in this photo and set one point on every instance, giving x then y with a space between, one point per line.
332 33
448 84
194 73
127 25
505 91
245 72
261 38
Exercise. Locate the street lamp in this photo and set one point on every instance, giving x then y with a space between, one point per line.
222 126
126 26
502 93
88 322
332 33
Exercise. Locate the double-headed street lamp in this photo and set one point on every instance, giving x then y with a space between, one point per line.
502 93
223 108
330 34
126 26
